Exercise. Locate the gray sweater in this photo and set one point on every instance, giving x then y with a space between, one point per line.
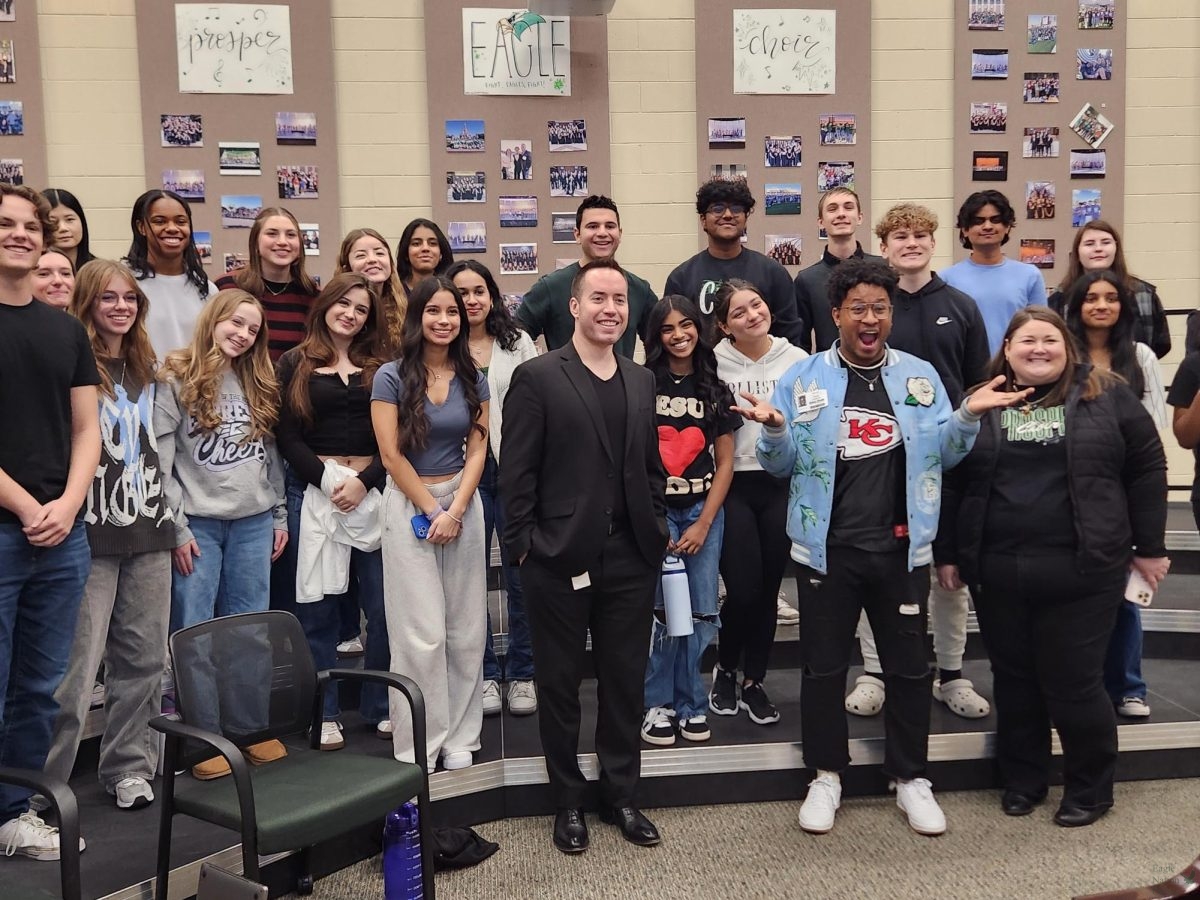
216 474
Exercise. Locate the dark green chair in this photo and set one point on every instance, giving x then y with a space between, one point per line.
244 679
62 801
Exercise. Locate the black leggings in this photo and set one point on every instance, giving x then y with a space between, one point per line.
753 557
1046 628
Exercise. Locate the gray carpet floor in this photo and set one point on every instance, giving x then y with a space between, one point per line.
758 851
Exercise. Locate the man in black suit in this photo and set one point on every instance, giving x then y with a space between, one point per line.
583 488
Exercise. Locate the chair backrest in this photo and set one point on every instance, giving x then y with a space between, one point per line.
249 677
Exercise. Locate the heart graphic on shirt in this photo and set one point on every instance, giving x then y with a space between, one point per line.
679 448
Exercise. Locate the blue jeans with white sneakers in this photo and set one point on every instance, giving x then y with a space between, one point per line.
673 671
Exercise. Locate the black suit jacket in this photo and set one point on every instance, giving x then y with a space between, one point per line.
555 462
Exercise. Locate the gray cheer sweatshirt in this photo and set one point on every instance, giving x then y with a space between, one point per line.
216 474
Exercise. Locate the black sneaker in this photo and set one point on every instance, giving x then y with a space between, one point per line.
695 728
658 727
756 702
723 698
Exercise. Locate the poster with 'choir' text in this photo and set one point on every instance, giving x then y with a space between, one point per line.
784 51
518 53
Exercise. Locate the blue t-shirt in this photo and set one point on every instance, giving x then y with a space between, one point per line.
445 452
998 291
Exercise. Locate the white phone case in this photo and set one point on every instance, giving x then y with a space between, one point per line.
1138 589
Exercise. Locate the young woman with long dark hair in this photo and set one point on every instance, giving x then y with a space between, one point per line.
695 441
70 227
422 251
498 346
429 408
325 435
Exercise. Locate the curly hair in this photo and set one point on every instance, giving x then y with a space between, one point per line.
199 369
859 271
723 190
912 216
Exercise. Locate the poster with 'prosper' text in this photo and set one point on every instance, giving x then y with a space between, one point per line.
233 48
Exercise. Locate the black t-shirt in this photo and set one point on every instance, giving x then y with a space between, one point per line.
613 404
1182 393
43 354
686 436
1030 509
868 480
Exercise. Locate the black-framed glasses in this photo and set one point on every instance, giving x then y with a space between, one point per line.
719 209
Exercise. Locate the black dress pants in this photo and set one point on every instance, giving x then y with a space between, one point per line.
896 601
618 608
1046 628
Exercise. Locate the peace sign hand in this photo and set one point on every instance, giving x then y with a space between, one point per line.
759 411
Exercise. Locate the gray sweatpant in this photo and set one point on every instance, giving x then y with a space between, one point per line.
435 600
122 620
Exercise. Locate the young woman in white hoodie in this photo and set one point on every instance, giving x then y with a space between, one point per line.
749 360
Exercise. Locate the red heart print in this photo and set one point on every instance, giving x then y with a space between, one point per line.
679 448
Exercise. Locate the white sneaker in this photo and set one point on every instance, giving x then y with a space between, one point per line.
30 836
785 613
383 730
133 792
331 736
522 698
824 798
1133 707
352 647
915 797
457 759
492 703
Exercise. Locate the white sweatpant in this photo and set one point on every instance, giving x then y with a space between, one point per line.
435 600
947 615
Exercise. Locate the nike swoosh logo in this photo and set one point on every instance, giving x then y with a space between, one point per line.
943 320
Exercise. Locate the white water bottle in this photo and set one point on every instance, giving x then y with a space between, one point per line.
677 597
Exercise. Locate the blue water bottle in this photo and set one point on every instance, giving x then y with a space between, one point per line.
677 597
402 854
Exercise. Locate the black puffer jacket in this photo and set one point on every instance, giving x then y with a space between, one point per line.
1117 476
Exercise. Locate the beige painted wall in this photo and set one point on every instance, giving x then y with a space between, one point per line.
90 72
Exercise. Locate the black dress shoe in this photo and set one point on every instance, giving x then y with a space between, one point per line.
635 827
1076 817
1018 803
570 831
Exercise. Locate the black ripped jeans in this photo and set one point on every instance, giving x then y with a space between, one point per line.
895 600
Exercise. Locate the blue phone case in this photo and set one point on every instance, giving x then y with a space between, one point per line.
420 526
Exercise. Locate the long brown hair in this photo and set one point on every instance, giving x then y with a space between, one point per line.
90 283
1095 382
250 277
393 301
199 369
317 349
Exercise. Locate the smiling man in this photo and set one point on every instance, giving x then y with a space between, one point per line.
724 207
584 492
546 308
942 326
839 213
998 285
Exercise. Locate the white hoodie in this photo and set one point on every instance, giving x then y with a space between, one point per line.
756 377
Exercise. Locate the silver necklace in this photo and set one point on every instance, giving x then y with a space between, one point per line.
870 382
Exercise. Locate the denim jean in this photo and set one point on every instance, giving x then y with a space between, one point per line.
40 592
519 659
323 622
1123 662
673 672
231 575
283 570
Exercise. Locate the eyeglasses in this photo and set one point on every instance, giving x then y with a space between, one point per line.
858 311
990 220
108 298
719 209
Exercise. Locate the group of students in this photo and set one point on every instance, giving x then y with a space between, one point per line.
339 448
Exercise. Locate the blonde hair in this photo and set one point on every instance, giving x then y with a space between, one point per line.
912 216
90 282
199 369
393 300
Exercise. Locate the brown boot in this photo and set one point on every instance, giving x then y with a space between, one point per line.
217 767
265 752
